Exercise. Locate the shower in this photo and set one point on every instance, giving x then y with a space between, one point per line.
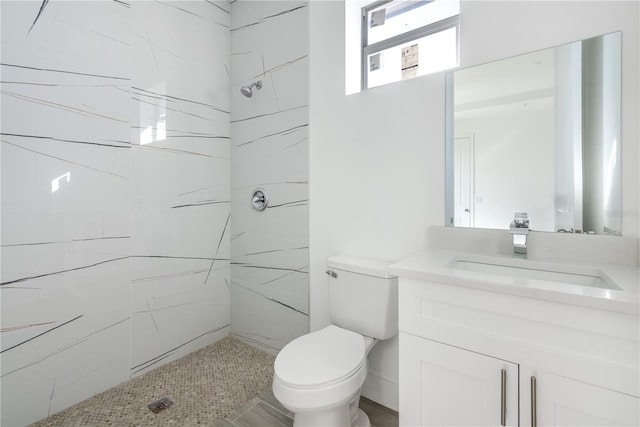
248 90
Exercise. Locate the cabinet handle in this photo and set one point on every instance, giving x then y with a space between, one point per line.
503 398
534 418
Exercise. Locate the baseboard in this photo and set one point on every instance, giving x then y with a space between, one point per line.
381 391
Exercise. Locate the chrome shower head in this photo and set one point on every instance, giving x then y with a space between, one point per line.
248 90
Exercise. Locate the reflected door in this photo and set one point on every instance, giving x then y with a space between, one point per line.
463 160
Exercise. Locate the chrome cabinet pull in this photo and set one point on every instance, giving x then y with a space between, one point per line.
503 397
534 418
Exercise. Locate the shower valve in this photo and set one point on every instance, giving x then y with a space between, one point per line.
259 199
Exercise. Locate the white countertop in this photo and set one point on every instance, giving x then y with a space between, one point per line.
434 265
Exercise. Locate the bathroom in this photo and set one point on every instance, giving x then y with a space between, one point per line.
140 257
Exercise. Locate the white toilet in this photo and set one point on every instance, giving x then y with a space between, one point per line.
318 376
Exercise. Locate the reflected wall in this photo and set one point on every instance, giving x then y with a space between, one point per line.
538 133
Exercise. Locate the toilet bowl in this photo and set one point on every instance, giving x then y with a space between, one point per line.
318 376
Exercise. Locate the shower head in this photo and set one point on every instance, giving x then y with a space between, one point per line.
248 90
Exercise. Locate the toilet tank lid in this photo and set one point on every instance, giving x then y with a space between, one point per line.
361 265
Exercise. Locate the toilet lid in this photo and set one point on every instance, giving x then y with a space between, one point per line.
319 358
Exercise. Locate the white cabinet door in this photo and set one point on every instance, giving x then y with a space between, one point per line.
441 385
563 401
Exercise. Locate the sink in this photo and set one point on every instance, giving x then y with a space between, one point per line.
525 269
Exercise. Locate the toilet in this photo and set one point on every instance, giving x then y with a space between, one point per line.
318 376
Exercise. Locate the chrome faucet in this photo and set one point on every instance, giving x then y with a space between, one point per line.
519 229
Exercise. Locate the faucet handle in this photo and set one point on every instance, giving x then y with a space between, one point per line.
520 220
520 223
520 215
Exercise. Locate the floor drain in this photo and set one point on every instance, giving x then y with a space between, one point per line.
161 404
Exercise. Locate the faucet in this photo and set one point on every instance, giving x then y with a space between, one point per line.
519 228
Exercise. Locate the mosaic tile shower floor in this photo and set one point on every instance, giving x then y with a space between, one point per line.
233 391
203 392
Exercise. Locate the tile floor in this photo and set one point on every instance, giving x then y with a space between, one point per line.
225 384
205 387
265 411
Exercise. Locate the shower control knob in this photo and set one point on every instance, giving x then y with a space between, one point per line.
259 199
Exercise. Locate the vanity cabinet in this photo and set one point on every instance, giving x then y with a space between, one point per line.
564 401
448 386
467 357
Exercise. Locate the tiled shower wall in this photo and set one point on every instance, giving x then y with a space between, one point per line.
115 122
269 249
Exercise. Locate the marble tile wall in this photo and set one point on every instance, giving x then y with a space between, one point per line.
269 149
115 192
180 179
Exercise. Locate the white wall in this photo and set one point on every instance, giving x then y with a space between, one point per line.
270 149
125 266
377 158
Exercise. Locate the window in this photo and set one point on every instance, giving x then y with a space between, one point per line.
402 39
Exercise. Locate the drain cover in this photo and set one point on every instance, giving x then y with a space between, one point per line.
160 404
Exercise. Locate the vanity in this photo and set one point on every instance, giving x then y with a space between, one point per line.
490 339
534 323
500 326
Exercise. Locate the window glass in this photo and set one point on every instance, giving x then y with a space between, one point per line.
435 53
407 38
398 17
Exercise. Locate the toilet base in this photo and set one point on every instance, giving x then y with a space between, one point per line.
361 420
349 415
337 416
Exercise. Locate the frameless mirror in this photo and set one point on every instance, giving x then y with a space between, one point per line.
537 133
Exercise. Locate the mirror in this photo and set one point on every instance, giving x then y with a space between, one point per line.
537 133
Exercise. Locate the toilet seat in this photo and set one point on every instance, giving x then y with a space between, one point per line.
320 359
322 369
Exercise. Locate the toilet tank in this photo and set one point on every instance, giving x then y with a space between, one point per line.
363 297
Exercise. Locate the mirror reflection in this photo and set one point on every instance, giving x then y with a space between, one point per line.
537 133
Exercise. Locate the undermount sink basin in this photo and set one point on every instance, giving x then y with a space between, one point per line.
518 268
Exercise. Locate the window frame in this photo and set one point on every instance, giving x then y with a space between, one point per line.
426 30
